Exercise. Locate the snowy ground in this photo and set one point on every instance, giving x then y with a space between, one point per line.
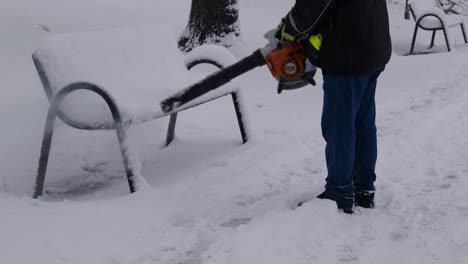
214 200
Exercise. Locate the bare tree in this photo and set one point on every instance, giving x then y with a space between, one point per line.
211 21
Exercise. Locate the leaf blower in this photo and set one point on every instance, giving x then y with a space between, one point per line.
286 61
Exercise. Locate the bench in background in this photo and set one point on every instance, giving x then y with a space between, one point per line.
428 16
128 72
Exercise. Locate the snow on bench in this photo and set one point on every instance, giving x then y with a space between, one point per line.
429 16
133 70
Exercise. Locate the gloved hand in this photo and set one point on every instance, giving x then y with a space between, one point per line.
283 33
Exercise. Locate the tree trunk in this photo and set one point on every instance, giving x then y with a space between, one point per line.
211 21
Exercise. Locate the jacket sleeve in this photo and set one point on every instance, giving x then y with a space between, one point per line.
306 16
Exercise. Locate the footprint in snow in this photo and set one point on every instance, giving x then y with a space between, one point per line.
445 186
236 222
451 177
347 254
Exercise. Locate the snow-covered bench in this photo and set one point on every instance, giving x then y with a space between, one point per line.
429 16
128 72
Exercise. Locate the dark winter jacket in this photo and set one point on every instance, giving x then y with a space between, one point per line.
356 37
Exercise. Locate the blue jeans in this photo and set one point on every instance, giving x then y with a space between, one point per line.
348 127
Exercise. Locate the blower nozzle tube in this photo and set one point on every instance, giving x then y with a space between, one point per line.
213 81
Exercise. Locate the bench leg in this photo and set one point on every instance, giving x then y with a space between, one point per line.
463 32
433 39
45 151
126 156
49 129
414 39
235 99
171 129
446 39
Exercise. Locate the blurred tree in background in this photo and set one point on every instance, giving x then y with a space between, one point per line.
210 21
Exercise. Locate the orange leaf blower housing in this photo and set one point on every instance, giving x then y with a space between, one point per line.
287 61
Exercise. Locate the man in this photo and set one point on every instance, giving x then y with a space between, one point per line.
355 48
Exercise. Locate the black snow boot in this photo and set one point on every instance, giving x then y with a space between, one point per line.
346 208
364 199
